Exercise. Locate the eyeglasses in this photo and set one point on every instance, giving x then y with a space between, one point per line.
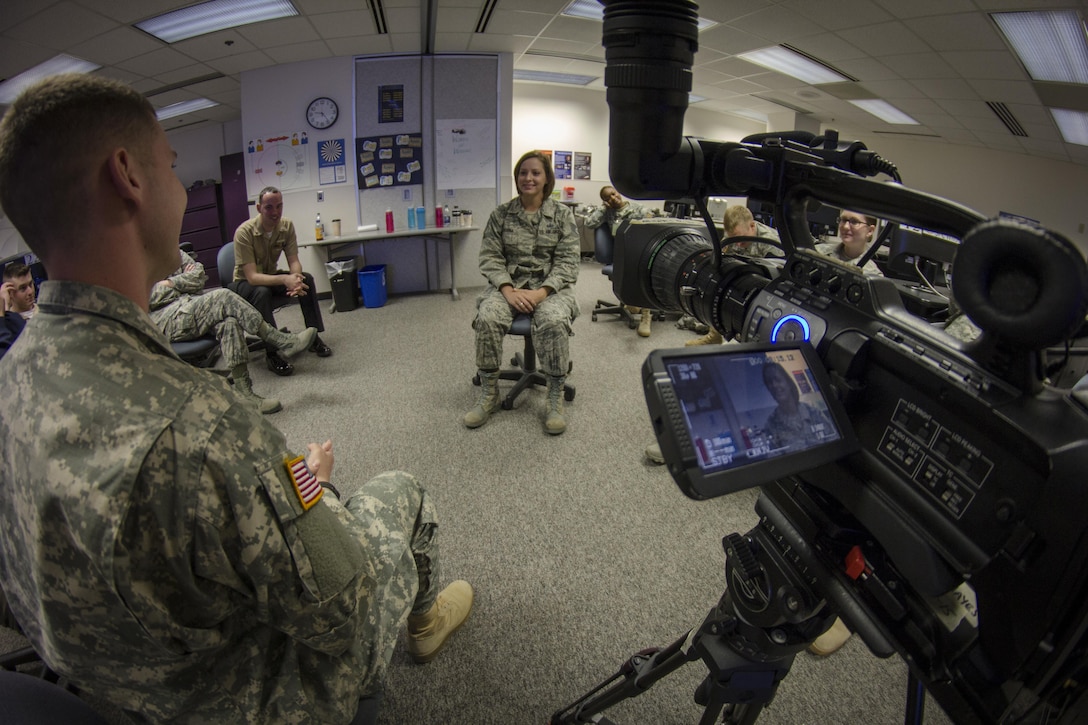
850 222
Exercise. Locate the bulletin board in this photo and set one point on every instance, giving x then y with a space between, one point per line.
389 160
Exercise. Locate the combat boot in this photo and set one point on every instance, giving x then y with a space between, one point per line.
555 423
711 338
487 403
644 323
428 633
243 385
287 343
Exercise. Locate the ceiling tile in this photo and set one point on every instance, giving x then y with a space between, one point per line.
17 56
311 50
1006 91
838 14
828 47
885 39
242 62
507 22
365 44
966 31
61 26
945 88
116 45
920 65
342 25
919 8
776 22
214 45
578 29
156 62
988 64
285 31
867 69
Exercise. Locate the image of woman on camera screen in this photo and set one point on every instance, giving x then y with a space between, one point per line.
793 424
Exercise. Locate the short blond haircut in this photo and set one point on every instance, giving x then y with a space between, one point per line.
735 215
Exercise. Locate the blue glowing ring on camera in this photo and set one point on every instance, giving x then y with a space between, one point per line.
787 319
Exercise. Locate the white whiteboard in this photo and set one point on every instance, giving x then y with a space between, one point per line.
465 153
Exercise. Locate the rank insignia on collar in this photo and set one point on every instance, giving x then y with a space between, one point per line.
306 486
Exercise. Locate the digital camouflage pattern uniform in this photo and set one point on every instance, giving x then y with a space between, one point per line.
185 312
834 250
614 217
156 550
758 249
529 251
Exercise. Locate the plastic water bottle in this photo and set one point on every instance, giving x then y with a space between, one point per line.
421 218
446 215
319 229
389 220
411 217
439 218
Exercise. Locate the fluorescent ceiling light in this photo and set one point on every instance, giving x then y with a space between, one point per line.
1072 124
593 10
1051 45
214 15
572 79
180 109
794 64
12 87
884 111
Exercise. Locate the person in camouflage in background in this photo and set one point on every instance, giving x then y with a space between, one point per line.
162 548
612 211
530 258
182 312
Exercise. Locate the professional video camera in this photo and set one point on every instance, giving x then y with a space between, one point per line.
937 506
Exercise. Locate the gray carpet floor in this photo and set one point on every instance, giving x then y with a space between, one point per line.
580 550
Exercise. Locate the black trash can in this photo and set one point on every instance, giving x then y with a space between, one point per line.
344 282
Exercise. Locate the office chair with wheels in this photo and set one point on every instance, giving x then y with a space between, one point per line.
604 245
524 372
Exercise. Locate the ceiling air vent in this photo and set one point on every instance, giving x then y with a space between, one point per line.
377 11
485 15
1002 111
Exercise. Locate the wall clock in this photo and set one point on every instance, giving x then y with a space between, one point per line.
322 112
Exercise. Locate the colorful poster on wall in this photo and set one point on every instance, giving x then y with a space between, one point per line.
332 167
562 165
278 160
390 104
465 153
583 165
391 160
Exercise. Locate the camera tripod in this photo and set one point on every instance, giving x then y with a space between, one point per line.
772 609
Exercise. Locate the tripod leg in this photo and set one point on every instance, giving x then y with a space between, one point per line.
636 676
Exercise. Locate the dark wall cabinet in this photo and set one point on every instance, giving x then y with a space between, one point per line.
202 226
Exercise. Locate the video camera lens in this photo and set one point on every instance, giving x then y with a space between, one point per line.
672 267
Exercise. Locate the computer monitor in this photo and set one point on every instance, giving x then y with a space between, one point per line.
913 252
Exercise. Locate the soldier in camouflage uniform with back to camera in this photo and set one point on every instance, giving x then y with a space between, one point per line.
162 547
530 258
183 311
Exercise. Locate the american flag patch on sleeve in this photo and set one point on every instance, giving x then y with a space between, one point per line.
306 486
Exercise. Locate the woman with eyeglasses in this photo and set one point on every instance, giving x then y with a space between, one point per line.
855 235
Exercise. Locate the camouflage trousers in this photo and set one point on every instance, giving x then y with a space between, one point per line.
398 527
551 330
220 311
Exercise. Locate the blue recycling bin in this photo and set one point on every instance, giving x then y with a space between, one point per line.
372 285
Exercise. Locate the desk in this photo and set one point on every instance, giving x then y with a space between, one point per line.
445 234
